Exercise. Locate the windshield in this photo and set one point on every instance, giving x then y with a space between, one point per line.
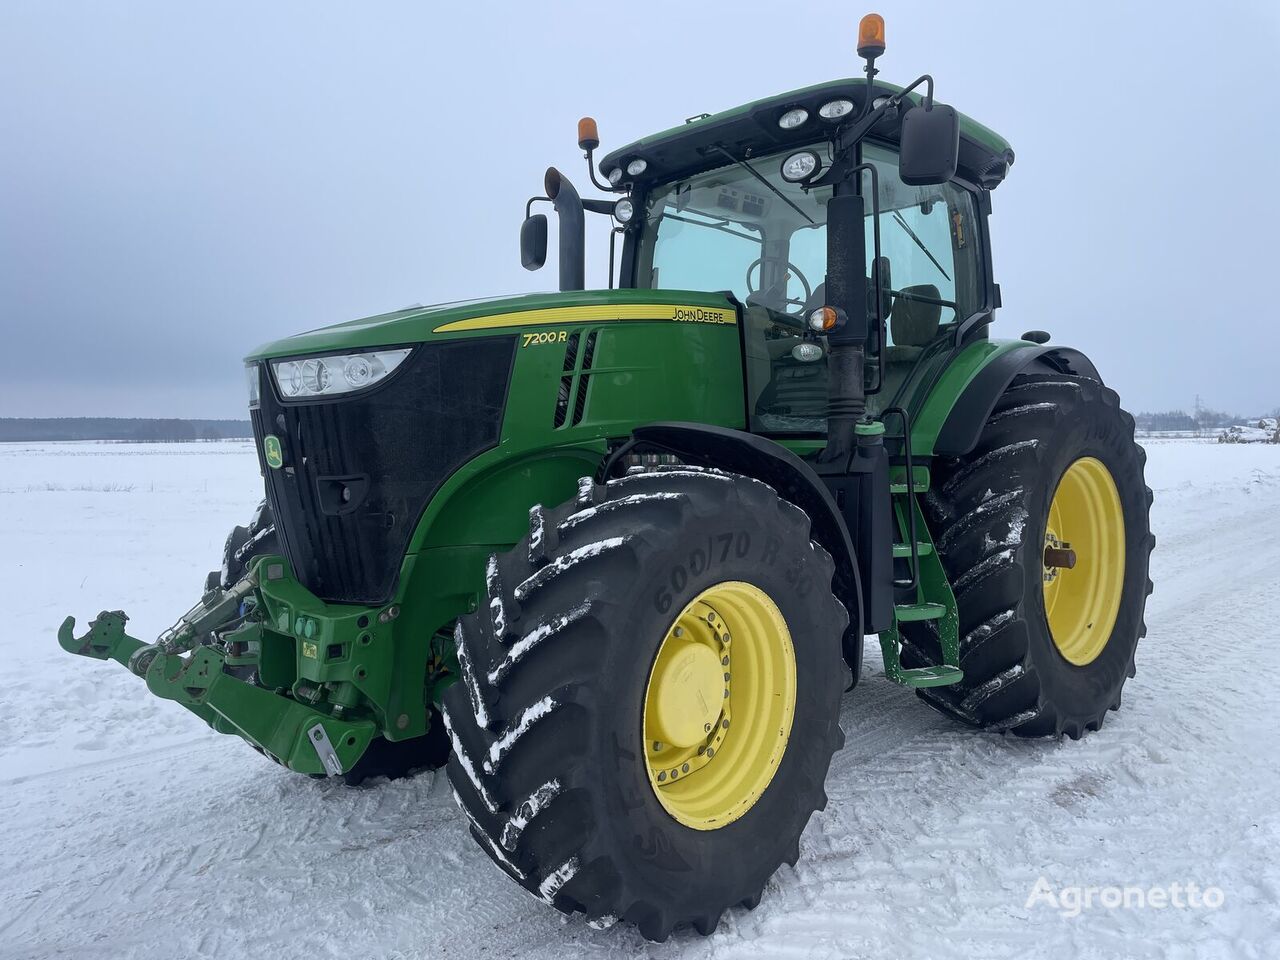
732 229
750 232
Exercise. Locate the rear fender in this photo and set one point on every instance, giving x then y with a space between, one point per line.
951 419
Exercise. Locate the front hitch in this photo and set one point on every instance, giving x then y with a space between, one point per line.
106 640
190 663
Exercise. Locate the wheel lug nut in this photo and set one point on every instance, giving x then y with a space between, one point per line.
706 727
724 661
711 752
726 678
725 723
678 631
657 745
662 776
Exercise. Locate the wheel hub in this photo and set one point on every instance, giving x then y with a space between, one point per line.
686 696
705 770
1084 561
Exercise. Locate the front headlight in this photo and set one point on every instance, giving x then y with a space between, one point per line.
327 376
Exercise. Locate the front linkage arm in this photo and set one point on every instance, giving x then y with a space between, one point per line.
187 666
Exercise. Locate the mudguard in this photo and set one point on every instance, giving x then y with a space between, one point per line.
795 481
950 421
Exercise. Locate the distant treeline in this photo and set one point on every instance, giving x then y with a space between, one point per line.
136 429
1202 419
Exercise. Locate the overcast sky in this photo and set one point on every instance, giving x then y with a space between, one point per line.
180 182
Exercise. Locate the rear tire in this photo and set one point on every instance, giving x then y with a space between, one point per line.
546 723
988 514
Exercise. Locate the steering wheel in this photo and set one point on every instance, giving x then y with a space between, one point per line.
795 272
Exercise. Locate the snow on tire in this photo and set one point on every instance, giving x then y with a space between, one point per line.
988 512
545 722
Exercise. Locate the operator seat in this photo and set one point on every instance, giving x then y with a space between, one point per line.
913 325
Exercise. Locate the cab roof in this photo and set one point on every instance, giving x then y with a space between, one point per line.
752 129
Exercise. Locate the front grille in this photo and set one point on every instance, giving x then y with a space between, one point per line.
358 471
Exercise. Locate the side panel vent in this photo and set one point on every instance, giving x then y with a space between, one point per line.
588 354
571 397
566 382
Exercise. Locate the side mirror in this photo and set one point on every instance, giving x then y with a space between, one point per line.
533 242
930 145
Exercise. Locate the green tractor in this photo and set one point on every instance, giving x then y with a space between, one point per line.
611 554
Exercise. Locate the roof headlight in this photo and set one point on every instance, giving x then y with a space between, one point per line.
332 375
835 109
637 166
614 176
624 210
793 118
800 167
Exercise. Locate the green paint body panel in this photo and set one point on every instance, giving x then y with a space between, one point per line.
959 373
419 324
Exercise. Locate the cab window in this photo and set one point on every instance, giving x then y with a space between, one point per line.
724 229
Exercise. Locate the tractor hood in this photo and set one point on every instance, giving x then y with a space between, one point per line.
470 318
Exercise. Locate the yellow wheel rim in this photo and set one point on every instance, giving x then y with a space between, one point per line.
1085 527
718 705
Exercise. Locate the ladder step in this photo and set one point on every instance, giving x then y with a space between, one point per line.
913 612
901 550
931 676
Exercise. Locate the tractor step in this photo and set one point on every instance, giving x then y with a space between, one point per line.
903 550
930 676
914 612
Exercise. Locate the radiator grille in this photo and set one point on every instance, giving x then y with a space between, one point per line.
358 471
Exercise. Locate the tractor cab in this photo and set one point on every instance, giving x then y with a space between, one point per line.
738 203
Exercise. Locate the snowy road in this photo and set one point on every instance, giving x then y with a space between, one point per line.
133 831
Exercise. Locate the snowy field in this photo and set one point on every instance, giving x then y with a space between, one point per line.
131 830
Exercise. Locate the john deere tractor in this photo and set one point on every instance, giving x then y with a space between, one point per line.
612 554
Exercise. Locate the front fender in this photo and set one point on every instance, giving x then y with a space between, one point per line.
795 481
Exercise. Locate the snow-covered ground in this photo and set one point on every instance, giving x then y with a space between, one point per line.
131 830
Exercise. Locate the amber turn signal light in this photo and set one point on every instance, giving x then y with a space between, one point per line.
825 319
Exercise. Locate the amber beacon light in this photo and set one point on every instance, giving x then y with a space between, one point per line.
871 36
588 134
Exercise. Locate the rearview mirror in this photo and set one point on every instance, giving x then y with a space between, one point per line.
533 242
930 145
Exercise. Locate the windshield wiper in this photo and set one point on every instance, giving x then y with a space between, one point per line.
778 193
898 219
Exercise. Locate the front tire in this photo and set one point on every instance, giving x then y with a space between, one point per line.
554 752
1045 650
